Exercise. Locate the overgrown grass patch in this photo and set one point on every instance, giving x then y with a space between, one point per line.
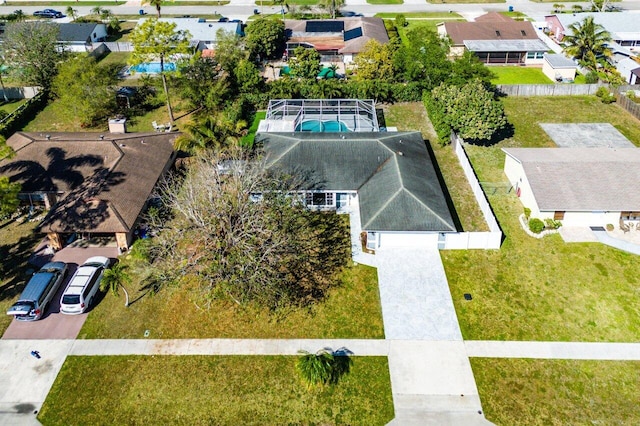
413 116
519 75
247 140
217 390
17 241
12 105
352 310
544 289
558 392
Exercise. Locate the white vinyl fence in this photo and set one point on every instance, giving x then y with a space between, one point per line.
474 240
19 92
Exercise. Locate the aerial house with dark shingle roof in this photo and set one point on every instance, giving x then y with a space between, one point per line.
93 184
577 186
388 175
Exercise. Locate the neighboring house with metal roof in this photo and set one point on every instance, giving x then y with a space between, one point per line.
623 26
559 68
495 39
335 39
630 70
389 175
204 35
93 184
78 37
577 186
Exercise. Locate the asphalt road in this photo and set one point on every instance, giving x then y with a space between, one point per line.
241 9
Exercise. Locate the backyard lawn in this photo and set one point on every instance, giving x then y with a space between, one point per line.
198 390
12 105
519 75
558 392
352 310
544 289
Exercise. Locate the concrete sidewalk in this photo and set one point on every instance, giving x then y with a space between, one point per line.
553 350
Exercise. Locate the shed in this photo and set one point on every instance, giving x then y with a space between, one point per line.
559 68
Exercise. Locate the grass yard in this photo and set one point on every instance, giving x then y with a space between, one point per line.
519 75
247 140
119 58
385 1
464 1
413 116
12 105
198 390
544 289
558 392
352 310
17 242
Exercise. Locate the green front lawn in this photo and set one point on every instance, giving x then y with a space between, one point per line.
544 289
385 1
352 310
519 75
212 390
558 392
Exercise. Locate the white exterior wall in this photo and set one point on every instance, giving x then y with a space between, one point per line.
585 218
347 58
565 73
472 240
456 51
75 47
99 33
516 175
534 62
407 239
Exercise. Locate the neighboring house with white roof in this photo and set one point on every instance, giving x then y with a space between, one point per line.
496 40
577 186
624 27
630 70
78 37
204 35
559 68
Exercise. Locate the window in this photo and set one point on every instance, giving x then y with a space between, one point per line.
630 215
558 215
535 55
320 199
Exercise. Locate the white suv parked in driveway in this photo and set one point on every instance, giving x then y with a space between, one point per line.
83 286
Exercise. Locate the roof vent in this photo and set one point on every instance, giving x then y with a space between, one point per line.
524 34
47 137
142 141
400 153
497 33
122 145
101 137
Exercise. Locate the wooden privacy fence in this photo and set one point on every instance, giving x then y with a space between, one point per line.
558 89
626 103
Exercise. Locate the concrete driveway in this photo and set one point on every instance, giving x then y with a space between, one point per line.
55 325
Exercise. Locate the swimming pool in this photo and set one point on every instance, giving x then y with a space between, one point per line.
322 126
152 67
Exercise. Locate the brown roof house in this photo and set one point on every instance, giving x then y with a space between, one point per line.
341 38
93 184
496 39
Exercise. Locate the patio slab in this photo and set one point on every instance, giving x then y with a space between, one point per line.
586 135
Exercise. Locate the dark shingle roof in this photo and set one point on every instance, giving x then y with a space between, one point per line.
104 183
392 172
76 32
486 30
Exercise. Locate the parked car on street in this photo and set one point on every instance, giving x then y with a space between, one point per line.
38 292
48 13
81 290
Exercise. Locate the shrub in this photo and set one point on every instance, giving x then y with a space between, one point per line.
536 225
610 227
552 224
401 21
605 95
591 77
527 213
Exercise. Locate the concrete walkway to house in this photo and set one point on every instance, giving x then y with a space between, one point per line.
605 238
431 377
554 350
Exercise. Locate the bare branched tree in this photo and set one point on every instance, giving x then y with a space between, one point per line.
242 233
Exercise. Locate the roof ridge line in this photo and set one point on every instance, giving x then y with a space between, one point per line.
117 214
425 206
364 226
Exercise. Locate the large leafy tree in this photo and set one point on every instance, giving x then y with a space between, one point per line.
86 90
305 63
470 110
587 42
265 38
205 84
158 40
31 50
424 58
228 243
375 62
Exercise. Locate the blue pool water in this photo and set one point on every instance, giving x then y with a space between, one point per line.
152 67
322 126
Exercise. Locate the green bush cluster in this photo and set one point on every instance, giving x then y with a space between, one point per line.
605 95
552 223
527 213
437 117
536 225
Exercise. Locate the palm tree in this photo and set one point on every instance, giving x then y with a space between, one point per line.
19 15
97 11
72 13
576 8
156 3
557 7
114 279
587 42
202 135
